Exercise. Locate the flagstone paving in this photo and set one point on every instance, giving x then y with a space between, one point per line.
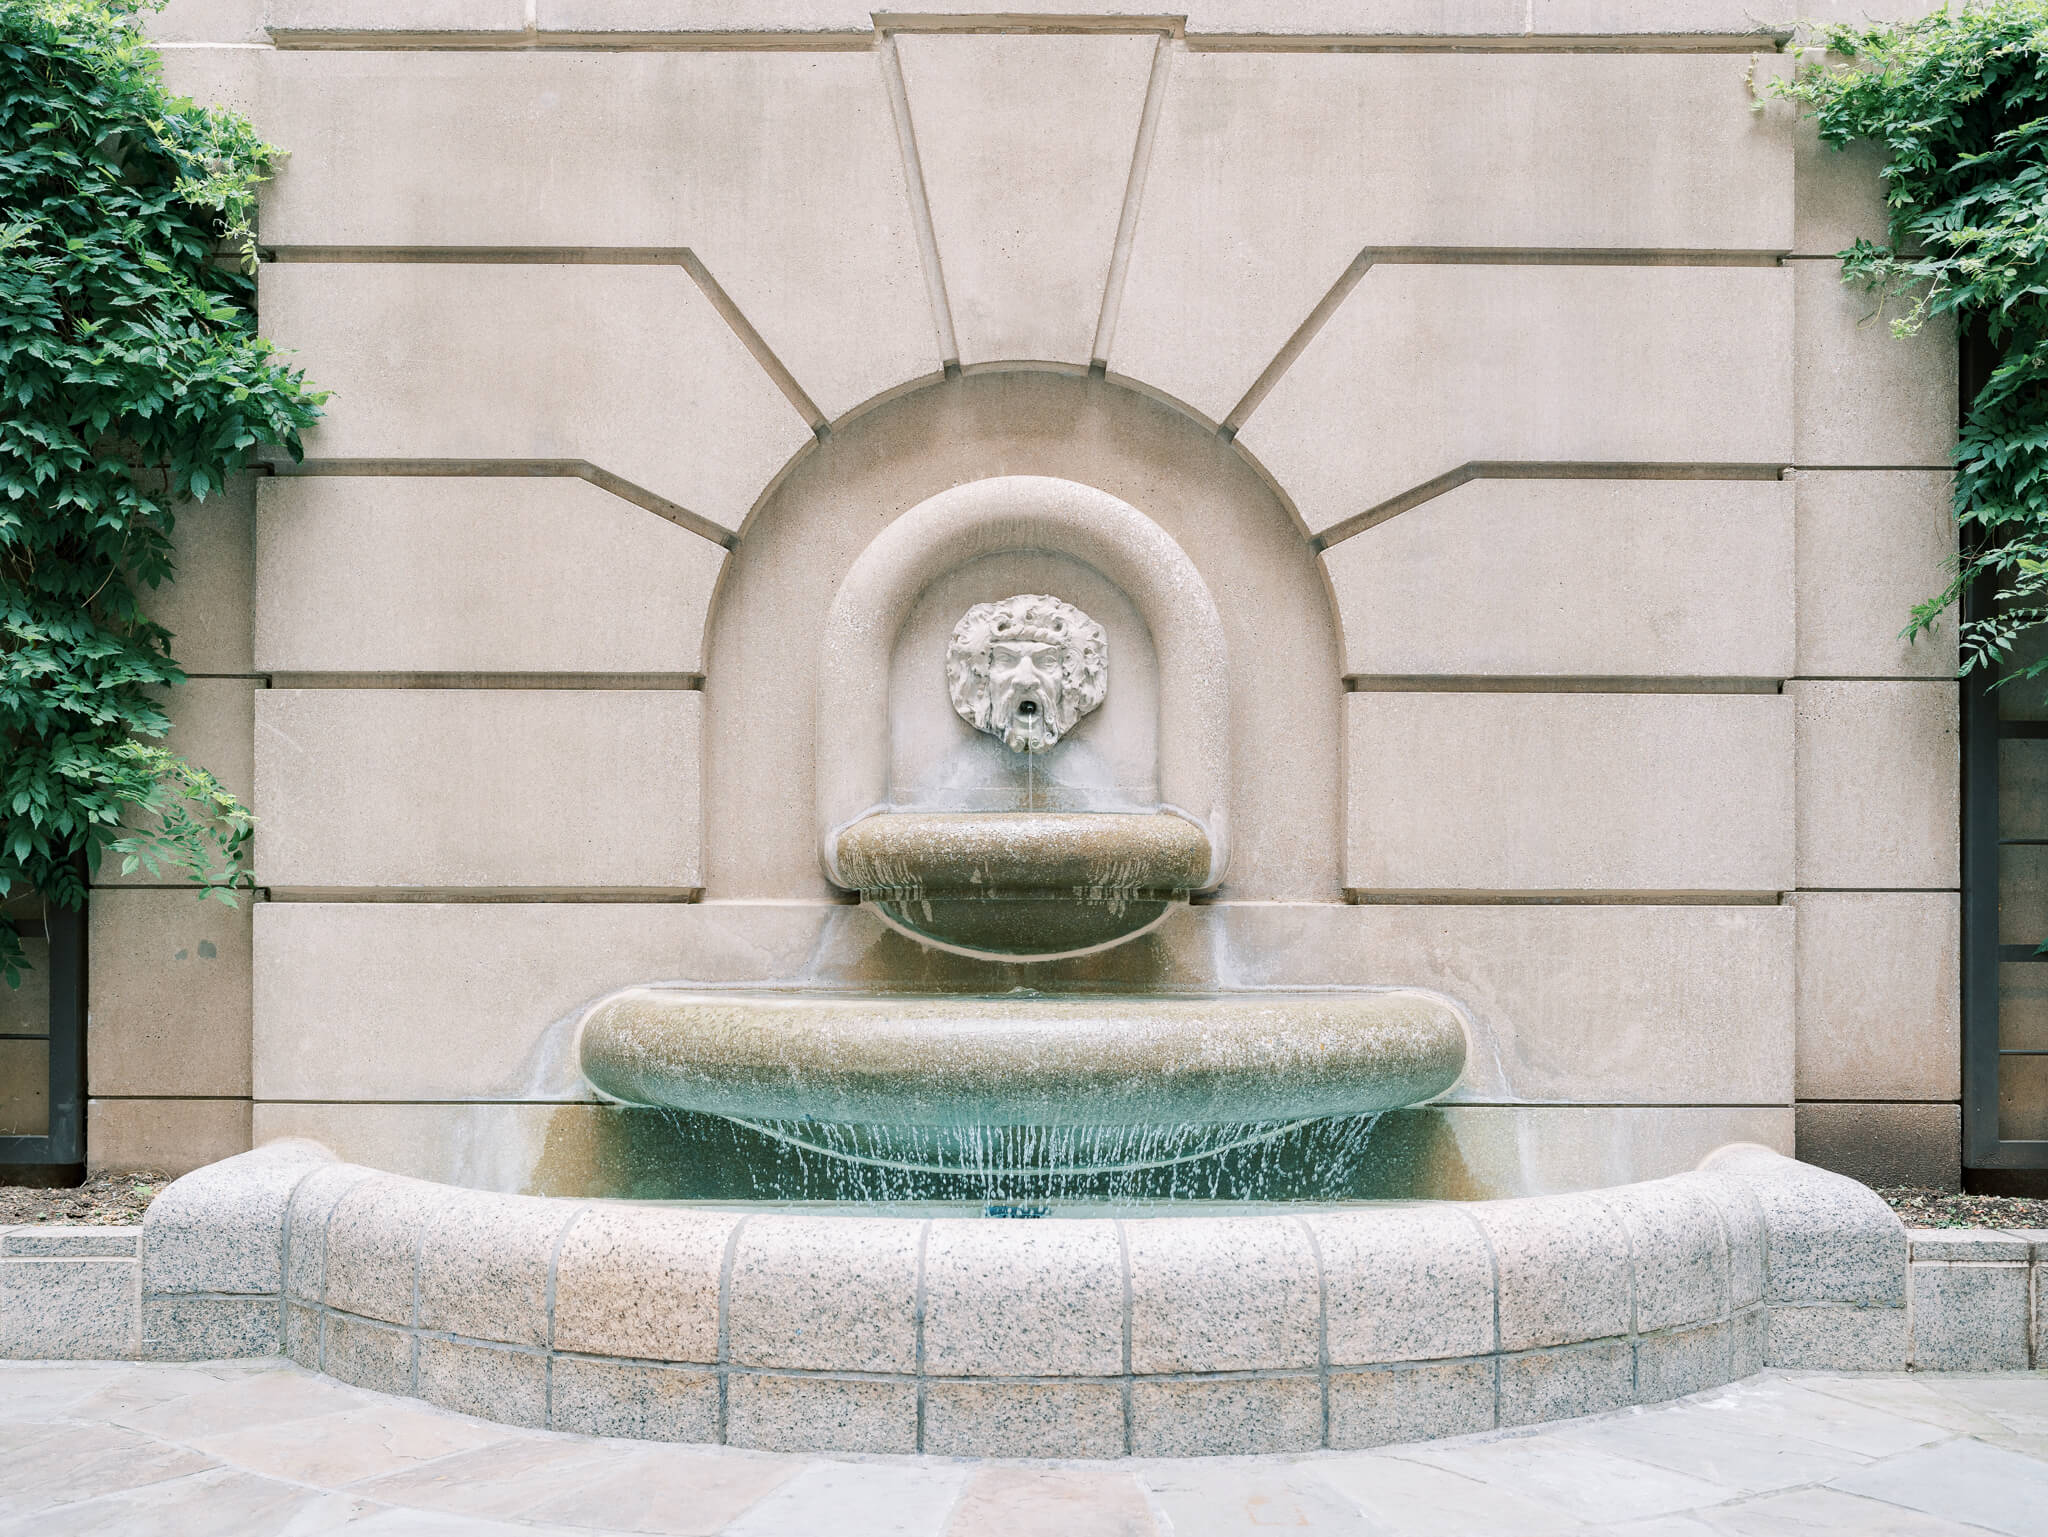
264 1449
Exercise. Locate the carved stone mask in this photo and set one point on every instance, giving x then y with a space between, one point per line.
1026 669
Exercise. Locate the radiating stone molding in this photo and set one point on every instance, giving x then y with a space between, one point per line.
781 171
1026 145
1424 368
418 574
527 789
1270 172
628 368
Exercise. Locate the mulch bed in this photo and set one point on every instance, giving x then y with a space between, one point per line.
1949 1208
105 1200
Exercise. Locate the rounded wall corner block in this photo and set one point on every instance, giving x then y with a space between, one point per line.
1193 1331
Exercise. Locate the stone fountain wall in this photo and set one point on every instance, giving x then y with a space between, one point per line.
644 318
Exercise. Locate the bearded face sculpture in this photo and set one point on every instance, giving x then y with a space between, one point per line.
1027 669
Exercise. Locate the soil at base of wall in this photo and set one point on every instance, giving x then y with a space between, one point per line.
1952 1208
105 1200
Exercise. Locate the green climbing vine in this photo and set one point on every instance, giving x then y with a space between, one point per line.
131 380
1959 101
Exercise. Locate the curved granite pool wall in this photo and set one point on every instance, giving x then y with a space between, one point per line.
1168 1336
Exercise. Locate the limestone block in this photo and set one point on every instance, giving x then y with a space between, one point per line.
1541 1385
1864 396
1346 18
509 1386
221 1228
1837 1338
1038 1419
1581 18
1243 229
206 605
639 1282
342 990
1569 792
1677 1252
1410 1403
212 727
1880 995
416 788
366 574
599 17
163 1136
444 16
1026 145
1424 368
644 1403
1411 1284
1878 784
484 1267
68 1309
234 76
1227 1416
1838 195
1614 1004
1536 1241
825 1293
821 1414
1872 543
628 368
209 1328
207 21
1631 578
1227 1294
169 995
780 170
1885 1144
1039 1299
1828 1239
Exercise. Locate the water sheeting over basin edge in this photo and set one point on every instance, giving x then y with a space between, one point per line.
1023 1060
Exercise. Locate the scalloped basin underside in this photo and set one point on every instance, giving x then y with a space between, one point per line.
1029 1060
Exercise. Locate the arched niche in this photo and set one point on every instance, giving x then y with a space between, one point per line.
767 620
1022 515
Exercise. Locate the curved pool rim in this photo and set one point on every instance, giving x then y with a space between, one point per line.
1089 1337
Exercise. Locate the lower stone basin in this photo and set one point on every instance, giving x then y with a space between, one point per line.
1023 1060
1023 885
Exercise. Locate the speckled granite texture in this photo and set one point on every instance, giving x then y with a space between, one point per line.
1169 1336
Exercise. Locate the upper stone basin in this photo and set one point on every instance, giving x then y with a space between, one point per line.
1027 884
1023 1059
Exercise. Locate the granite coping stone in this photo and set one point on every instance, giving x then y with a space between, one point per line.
1969 1244
1099 1337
